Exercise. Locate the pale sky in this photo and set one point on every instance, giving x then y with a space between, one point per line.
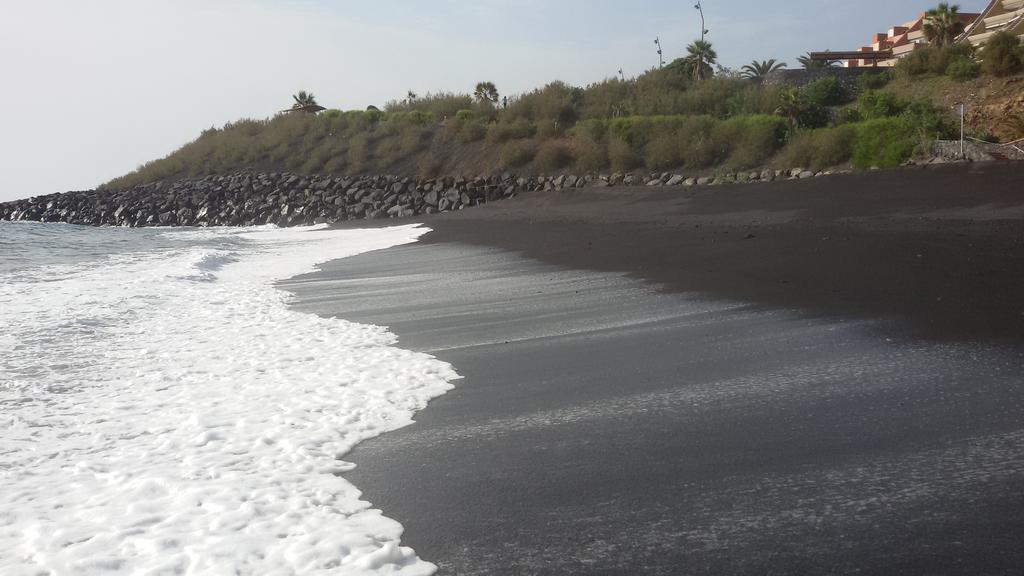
93 88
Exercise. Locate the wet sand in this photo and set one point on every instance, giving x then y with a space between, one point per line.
667 381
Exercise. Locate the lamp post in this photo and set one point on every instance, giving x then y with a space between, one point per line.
703 26
962 114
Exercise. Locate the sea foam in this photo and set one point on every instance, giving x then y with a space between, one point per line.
166 412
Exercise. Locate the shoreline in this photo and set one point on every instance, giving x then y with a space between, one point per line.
940 250
606 425
622 411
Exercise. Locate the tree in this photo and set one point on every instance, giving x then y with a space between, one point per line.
305 102
486 92
942 25
799 111
810 64
791 106
701 57
757 70
1001 54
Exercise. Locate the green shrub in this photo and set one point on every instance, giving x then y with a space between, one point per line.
590 145
471 132
876 104
553 155
818 149
883 142
932 59
441 106
505 131
621 156
748 141
1001 55
929 121
605 99
662 153
465 127
409 118
824 92
557 103
916 63
850 115
517 154
359 152
963 69
873 80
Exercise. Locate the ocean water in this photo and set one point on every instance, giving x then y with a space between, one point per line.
164 411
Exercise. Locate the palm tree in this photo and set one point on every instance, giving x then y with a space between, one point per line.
942 24
791 107
757 70
305 102
701 57
810 64
486 92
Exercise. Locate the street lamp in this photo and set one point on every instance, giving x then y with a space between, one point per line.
962 114
703 26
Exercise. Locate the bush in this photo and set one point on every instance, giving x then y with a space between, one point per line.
556 103
552 156
873 80
883 142
824 92
591 149
621 156
916 63
441 106
359 152
818 149
429 166
1001 55
963 69
933 60
849 116
465 127
929 121
505 131
875 104
516 154
749 141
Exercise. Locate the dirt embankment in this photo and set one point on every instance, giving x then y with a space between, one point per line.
991 102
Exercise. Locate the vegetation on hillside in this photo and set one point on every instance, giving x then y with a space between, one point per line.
685 116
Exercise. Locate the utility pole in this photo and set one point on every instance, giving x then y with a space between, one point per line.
661 58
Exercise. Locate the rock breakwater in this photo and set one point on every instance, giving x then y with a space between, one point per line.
247 199
286 199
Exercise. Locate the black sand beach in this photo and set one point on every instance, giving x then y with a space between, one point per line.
803 377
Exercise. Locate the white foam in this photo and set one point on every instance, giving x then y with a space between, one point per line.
168 413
